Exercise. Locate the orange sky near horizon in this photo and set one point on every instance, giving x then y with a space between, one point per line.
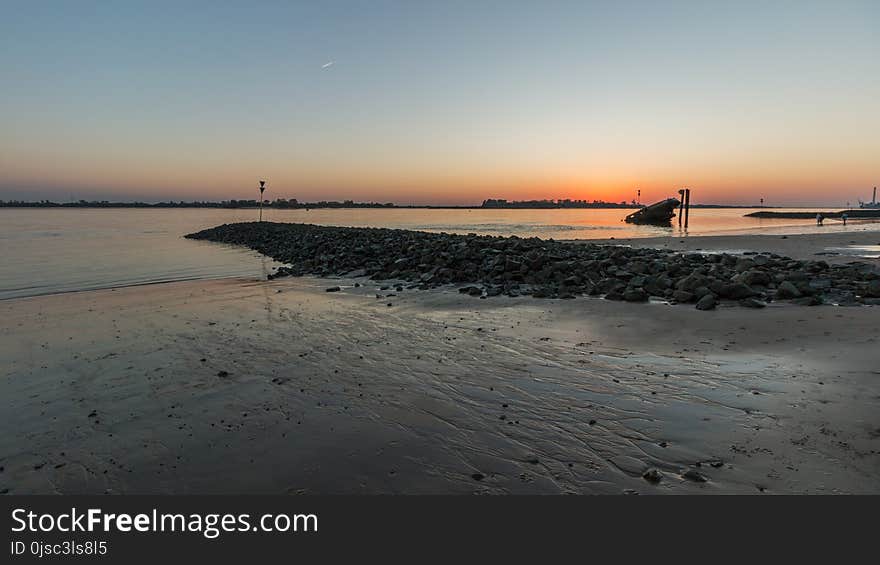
113 174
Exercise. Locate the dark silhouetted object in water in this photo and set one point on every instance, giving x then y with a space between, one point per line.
262 189
685 206
660 213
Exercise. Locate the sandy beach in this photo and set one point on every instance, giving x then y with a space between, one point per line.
246 386
836 247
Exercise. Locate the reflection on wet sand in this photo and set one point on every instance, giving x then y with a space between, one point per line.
232 386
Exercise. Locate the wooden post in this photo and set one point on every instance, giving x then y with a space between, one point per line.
687 206
680 206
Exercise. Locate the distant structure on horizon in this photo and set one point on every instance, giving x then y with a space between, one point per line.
873 203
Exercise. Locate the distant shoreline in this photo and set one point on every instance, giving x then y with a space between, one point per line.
852 213
252 205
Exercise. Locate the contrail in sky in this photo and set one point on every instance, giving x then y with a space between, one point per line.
327 65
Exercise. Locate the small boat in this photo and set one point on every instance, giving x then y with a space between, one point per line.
658 213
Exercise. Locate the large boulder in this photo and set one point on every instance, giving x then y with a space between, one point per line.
683 296
787 290
708 302
744 264
691 282
755 276
635 295
737 291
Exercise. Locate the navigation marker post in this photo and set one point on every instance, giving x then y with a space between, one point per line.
262 189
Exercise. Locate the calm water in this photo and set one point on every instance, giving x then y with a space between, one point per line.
49 251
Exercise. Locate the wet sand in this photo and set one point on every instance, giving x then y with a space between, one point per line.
829 247
239 386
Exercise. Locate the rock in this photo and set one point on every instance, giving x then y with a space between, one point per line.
495 291
683 296
635 295
691 282
222 374
332 289
478 476
737 291
708 302
694 476
787 290
752 303
614 295
755 276
744 264
873 289
807 301
653 476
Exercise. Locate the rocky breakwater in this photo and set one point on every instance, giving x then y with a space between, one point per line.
512 266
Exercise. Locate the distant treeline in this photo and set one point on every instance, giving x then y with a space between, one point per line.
278 203
561 203
293 203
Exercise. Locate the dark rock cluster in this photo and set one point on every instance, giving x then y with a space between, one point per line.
513 266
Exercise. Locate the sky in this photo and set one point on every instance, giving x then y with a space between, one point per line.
440 102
